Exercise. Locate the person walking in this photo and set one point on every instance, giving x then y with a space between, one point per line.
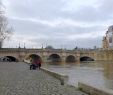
39 64
32 66
36 63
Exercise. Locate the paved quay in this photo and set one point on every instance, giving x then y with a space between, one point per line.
17 79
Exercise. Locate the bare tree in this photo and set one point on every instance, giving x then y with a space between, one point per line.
5 29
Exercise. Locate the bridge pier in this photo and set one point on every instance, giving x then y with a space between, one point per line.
21 57
63 61
78 58
44 60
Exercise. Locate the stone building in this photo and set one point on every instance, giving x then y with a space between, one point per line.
108 39
105 43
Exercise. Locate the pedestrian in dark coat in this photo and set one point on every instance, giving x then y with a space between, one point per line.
33 65
39 64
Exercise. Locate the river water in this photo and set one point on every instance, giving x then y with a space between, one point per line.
89 73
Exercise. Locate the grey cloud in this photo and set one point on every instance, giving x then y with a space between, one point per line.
33 27
64 43
91 14
56 36
52 9
107 6
44 9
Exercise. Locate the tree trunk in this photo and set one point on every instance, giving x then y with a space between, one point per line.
1 43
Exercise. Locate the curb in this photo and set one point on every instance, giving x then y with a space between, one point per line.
63 78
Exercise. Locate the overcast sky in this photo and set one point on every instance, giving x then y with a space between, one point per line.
59 23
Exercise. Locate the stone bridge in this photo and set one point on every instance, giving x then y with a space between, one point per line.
55 55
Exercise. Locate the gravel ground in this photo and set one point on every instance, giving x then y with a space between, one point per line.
17 79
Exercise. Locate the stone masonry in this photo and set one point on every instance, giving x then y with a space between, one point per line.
17 79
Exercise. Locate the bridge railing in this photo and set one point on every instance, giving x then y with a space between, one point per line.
48 50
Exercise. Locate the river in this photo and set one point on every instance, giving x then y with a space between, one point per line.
89 73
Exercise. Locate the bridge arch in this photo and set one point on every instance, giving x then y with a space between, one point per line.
86 58
54 59
33 57
70 59
9 59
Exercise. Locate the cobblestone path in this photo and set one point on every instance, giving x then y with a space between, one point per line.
17 79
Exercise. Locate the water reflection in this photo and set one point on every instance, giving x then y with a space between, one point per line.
96 73
108 73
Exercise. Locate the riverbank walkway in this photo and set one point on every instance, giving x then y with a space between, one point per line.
17 79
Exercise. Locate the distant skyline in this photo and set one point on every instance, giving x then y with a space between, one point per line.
59 23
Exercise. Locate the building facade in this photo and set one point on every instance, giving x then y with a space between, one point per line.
108 39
